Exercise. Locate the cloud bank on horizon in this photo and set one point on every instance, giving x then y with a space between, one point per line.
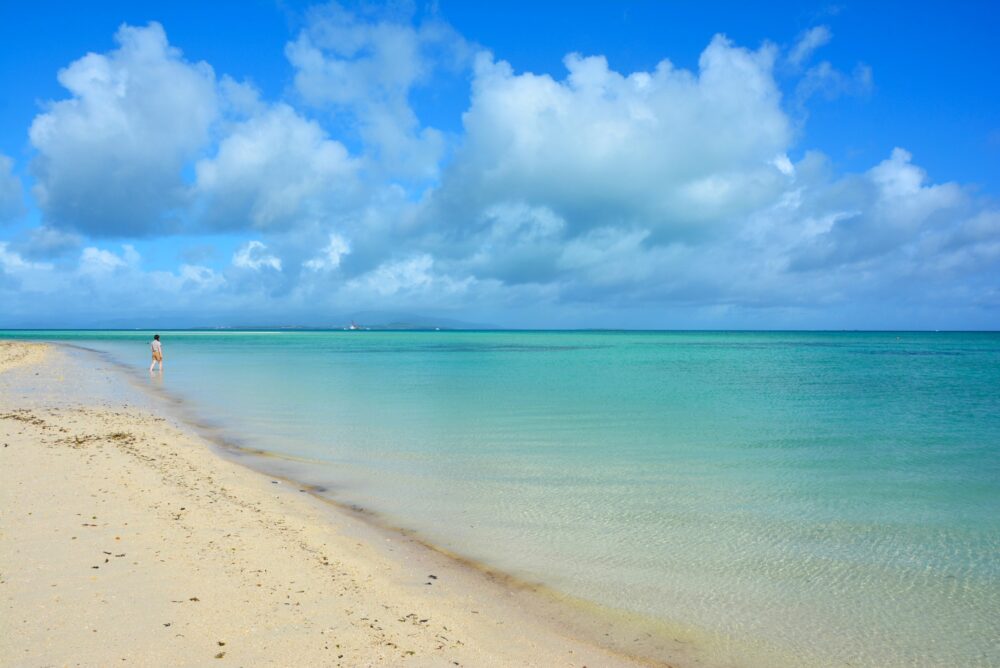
662 198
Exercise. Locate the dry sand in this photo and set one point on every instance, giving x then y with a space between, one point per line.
125 539
14 354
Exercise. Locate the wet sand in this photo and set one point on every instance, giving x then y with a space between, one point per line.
125 539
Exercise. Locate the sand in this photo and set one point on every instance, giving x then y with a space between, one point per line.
15 354
125 539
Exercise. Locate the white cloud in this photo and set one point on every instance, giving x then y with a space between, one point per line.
905 198
189 278
240 98
11 193
645 192
670 148
365 67
110 157
410 274
274 170
342 59
95 262
783 164
330 256
824 79
21 281
254 255
200 276
884 211
408 277
807 43
13 263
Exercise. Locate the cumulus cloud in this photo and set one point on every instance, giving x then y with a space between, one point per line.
408 277
365 67
254 255
100 288
110 157
671 148
274 170
581 183
648 192
11 193
882 211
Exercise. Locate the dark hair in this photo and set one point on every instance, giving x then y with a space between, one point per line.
156 336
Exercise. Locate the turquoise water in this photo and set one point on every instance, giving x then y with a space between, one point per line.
812 498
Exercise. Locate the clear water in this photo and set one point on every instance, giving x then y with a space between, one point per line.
829 497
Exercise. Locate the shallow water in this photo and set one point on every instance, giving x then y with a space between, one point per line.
830 497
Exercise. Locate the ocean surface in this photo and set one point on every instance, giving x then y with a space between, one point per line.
814 499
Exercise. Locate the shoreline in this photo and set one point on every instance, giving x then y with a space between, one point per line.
629 635
500 627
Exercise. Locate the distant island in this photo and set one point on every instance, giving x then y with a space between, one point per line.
370 321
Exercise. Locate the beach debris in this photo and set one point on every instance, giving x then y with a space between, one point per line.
433 577
220 655
194 598
222 643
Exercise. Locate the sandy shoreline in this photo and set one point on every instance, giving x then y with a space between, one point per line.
124 539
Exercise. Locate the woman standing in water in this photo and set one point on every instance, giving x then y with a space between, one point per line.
157 353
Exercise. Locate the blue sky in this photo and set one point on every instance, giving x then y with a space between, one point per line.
662 165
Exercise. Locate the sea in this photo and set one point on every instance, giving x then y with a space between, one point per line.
775 498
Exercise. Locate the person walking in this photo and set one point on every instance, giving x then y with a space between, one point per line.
157 349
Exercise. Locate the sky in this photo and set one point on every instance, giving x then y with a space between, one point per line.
662 165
